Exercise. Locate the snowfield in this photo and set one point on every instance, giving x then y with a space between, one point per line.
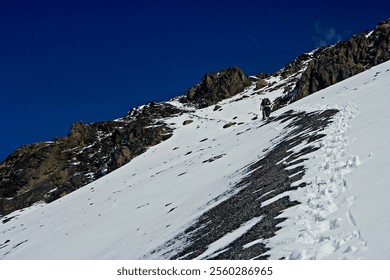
341 213
142 210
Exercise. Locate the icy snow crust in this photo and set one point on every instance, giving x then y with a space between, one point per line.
129 213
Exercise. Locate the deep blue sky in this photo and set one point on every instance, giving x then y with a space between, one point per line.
91 60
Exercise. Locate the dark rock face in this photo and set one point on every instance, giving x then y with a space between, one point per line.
333 64
345 59
294 66
215 87
48 171
260 84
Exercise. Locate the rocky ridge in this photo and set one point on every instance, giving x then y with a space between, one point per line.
49 170
215 87
332 64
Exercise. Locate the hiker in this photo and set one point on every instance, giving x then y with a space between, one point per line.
293 95
266 106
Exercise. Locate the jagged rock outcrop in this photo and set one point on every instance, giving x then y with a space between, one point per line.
215 87
50 170
295 66
261 83
332 64
345 60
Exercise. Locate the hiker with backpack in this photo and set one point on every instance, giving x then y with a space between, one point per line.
265 107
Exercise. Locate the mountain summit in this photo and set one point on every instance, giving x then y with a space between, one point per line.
202 176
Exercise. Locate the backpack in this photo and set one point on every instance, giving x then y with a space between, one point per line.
266 102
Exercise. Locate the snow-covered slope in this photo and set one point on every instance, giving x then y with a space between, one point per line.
144 209
343 210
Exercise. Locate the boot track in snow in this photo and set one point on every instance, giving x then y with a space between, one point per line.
241 226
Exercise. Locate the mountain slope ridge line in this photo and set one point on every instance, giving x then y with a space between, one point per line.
43 172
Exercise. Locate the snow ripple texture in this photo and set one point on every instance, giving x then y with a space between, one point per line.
322 226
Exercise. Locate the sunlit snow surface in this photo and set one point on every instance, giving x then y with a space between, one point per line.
344 210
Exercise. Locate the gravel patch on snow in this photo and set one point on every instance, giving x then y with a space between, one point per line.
225 231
